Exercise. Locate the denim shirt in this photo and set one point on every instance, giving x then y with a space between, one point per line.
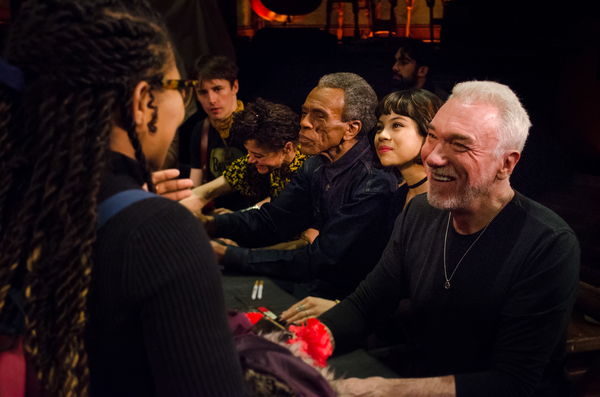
348 201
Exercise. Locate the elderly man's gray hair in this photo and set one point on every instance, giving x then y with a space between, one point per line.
514 123
360 100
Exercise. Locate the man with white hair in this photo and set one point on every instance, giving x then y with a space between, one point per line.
492 275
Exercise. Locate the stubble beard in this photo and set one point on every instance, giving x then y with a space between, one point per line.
400 82
461 198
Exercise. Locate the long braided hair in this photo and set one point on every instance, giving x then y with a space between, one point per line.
81 60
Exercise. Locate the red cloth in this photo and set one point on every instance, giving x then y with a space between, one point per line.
12 366
313 340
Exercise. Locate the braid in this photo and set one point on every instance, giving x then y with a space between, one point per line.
135 141
82 60
6 267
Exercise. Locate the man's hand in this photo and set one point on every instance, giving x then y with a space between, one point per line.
227 241
169 187
207 221
219 251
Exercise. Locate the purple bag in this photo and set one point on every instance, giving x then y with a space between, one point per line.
271 368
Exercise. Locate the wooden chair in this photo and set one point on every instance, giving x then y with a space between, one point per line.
380 25
433 21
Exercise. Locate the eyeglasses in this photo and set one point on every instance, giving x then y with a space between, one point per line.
185 88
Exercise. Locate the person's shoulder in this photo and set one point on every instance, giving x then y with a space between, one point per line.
540 215
419 208
157 213
196 135
311 164
377 179
238 166
419 218
197 129
299 159
237 172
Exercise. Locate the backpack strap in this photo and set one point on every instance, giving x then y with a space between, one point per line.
113 205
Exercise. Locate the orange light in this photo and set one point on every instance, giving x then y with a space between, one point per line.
263 12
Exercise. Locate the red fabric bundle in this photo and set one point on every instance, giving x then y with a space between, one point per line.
313 339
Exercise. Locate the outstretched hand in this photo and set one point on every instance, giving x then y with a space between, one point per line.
167 186
307 308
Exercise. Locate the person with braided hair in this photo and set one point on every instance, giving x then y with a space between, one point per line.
89 100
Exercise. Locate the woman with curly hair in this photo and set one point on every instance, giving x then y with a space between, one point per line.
89 100
270 134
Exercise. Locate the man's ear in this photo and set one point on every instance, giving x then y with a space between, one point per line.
235 87
422 71
141 97
509 161
353 130
289 146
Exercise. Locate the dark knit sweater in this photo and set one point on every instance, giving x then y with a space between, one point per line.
501 327
157 324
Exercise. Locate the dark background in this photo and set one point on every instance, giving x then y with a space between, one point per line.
546 51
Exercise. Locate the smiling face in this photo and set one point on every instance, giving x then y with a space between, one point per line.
397 141
321 125
264 160
217 97
458 155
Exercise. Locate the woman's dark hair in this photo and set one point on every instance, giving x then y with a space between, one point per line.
270 124
417 104
81 61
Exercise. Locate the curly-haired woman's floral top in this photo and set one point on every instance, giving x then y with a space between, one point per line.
244 177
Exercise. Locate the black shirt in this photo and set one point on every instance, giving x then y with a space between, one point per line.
501 326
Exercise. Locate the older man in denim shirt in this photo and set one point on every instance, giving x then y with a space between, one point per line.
338 190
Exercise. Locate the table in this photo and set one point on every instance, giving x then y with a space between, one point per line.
583 341
583 353
238 291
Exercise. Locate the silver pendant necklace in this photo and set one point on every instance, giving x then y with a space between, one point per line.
447 283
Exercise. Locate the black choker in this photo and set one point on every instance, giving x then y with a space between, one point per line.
422 181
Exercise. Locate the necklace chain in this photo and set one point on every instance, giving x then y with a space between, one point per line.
447 283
